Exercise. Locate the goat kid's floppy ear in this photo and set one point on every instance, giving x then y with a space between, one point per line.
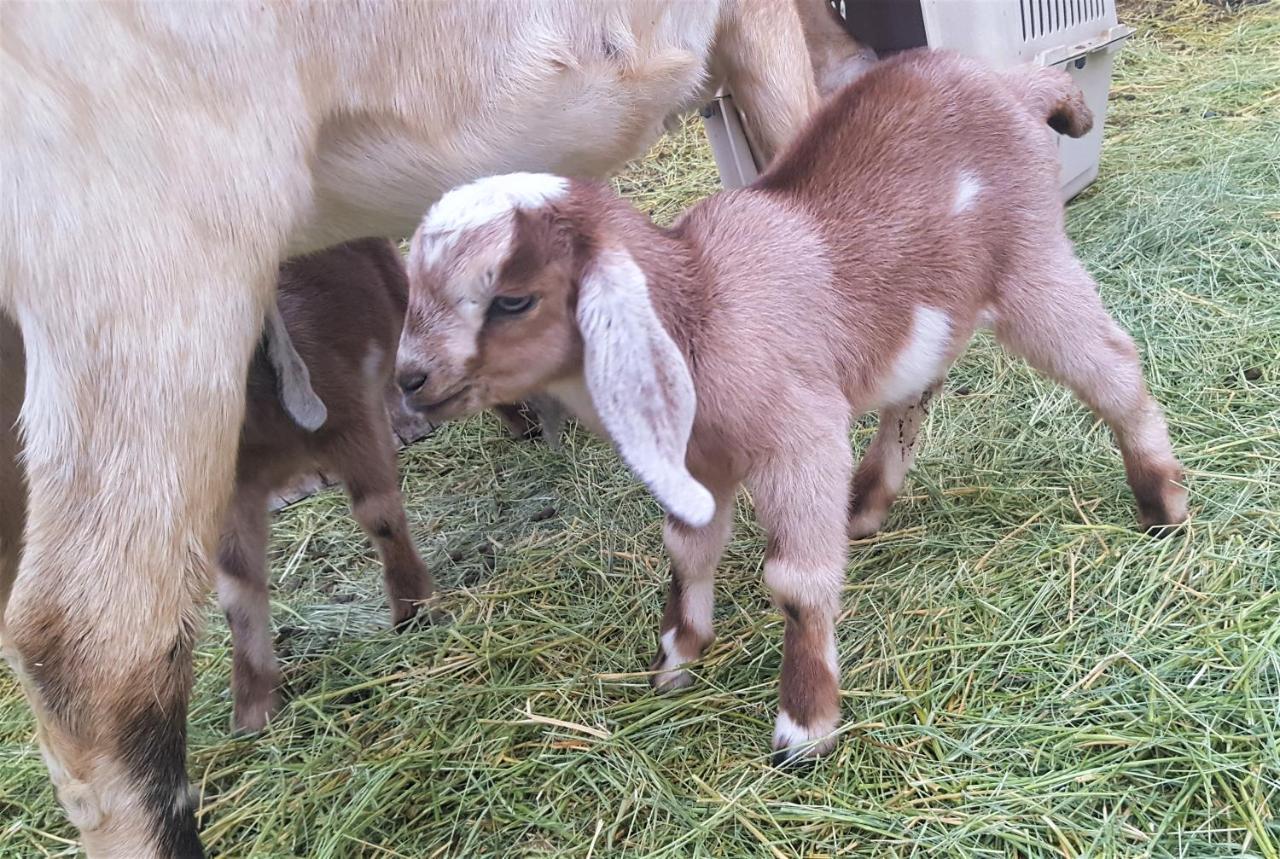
639 383
300 400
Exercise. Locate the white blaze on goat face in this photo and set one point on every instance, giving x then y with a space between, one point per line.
486 201
456 255
968 187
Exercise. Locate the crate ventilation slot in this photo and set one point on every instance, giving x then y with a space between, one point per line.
1042 17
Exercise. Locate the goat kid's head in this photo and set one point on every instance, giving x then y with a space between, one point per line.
511 291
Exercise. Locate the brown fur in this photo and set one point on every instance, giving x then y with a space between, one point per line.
919 203
343 308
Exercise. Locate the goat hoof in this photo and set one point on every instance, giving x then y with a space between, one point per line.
251 719
1159 532
801 745
669 674
1165 521
671 681
864 525
794 760
419 619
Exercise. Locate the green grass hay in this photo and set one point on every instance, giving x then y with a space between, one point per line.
1024 674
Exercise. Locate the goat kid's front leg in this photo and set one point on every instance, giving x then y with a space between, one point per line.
244 595
802 506
884 466
366 461
686 621
538 416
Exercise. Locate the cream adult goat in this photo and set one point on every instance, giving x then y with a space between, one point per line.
159 162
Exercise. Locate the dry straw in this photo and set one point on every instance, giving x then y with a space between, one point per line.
1024 674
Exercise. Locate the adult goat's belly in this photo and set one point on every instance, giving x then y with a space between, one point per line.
377 176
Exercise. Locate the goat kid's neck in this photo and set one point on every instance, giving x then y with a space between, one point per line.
669 261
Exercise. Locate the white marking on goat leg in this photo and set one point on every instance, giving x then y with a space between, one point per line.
804 741
670 675
78 798
833 659
920 363
249 614
252 610
186 798
967 189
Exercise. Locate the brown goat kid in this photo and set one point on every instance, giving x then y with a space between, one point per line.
343 308
919 204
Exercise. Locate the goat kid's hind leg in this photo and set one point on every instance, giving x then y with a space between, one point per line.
884 466
130 432
686 621
802 506
366 461
245 599
1055 320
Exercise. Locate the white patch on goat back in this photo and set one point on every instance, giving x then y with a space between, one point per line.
483 202
921 361
967 190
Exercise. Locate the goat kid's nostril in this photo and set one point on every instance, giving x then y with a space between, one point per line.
411 381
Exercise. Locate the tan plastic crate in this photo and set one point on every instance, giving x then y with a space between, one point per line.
1080 36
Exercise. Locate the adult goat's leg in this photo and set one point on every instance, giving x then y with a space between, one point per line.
130 429
765 62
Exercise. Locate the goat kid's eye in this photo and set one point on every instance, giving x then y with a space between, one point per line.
510 305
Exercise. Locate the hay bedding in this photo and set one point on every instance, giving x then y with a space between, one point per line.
1024 674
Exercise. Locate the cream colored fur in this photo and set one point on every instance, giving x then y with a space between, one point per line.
160 159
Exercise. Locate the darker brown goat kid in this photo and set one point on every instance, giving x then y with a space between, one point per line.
920 204
343 309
